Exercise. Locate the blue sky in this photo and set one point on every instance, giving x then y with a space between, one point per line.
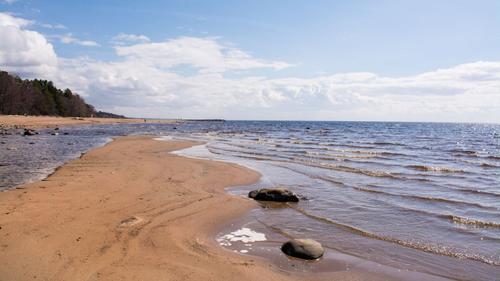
294 46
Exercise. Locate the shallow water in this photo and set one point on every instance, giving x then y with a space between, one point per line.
24 159
418 196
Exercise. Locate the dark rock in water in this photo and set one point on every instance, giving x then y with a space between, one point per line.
307 249
29 132
56 129
273 194
55 133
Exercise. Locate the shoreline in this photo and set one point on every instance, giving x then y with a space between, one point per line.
153 218
43 122
44 224
131 209
334 264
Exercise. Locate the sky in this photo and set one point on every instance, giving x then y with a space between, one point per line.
359 60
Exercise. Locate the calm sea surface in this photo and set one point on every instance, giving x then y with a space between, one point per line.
423 196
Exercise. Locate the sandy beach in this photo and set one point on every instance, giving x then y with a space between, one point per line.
125 211
38 122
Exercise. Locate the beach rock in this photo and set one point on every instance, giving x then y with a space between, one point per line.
273 194
307 249
29 132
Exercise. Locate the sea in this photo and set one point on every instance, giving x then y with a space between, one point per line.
421 197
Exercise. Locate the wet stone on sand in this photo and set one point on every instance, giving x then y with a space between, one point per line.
303 248
274 194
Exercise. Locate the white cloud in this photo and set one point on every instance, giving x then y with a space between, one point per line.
141 89
53 26
191 77
24 51
7 19
206 54
70 39
9 1
124 38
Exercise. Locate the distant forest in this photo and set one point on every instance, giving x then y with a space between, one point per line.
41 97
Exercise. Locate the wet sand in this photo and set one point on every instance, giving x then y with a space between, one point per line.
131 211
38 122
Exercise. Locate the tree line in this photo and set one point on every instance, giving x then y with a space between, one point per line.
42 97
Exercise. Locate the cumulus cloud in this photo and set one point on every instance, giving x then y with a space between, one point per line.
206 54
124 38
70 39
7 19
24 51
142 89
191 77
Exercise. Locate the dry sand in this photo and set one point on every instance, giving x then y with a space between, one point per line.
129 211
37 122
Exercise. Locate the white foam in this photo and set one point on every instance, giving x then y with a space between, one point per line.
163 138
245 235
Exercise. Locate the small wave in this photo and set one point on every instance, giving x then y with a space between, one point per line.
384 153
488 165
348 145
371 153
435 169
251 153
449 201
218 152
437 199
296 151
477 155
475 191
462 151
387 143
304 142
410 196
329 166
453 218
470 221
365 172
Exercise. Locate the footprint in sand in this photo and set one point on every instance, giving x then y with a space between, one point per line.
130 221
